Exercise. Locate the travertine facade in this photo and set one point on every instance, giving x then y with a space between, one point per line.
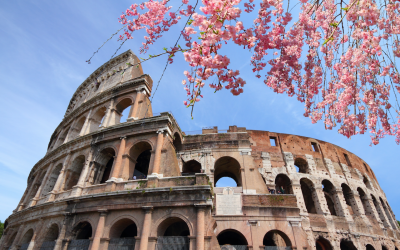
144 184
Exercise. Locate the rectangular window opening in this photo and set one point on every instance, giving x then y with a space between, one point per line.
347 159
272 140
314 147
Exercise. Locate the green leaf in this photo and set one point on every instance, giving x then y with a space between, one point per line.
345 9
215 32
334 24
165 49
190 22
202 33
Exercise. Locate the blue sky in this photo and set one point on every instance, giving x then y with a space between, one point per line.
43 49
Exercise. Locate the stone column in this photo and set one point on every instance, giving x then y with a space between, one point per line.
382 214
321 203
21 202
108 115
144 239
14 244
157 157
200 226
61 236
134 109
86 124
40 189
26 201
68 136
77 190
99 230
299 197
116 169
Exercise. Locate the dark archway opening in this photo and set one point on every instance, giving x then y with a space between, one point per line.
11 241
81 236
26 239
227 167
173 234
276 238
177 142
123 111
384 248
139 161
369 247
231 237
142 165
101 166
107 170
74 172
306 186
323 244
122 235
347 245
329 193
301 165
349 198
49 240
191 167
283 184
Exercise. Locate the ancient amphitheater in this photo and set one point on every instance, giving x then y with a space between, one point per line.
144 184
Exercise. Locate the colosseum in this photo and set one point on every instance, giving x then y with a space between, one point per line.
142 183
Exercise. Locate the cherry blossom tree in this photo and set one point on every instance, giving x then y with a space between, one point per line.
337 57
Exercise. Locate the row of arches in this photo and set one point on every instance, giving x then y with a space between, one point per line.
345 244
120 112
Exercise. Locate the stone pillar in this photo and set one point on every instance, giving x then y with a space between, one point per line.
157 157
26 200
77 189
382 214
86 124
342 203
133 115
106 120
115 172
144 239
14 244
21 202
200 226
68 136
299 197
99 230
40 189
321 203
61 236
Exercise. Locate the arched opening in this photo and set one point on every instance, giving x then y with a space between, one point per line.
52 179
101 166
97 119
329 193
49 240
349 198
26 239
173 234
347 245
227 167
323 244
364 200
78 128
34 187
384 247
62 137
276 238
122 235
388 216
283 184
226 182
191 167
74 172
369 247
81 236
307 190
177 142
139 162
231 237
379 210
122 110
301 165
367 182
11 240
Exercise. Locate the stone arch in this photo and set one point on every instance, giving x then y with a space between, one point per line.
122 104
191 167
276 238
52 179
231 237
76 131
329 193
97 119
347 244
369 247
61 138
173 215
123 228
125 217
74 172
388 216
139 159
384 247
379 210
323 244
364 201
367 182
101 166
10 241
301 165
35 186
307 188
82 230
227 166
177 142
51 236
349 198
26 239
173 226
282 181
294 142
